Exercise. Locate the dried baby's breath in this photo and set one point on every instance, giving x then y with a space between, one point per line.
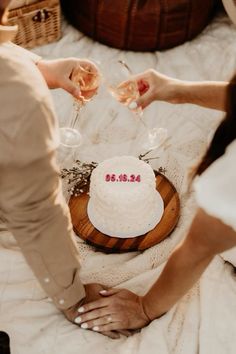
78 177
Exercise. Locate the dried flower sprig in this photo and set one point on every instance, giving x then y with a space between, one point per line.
78 177
148 159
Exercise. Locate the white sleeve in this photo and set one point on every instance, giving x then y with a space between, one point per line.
216 188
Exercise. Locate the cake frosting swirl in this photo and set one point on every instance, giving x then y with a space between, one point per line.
124 201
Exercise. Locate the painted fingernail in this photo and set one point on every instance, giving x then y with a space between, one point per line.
103 291
78 319
84 325
133 105
81 309
95 328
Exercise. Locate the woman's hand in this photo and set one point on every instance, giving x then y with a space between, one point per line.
119 309
59 73
155 86
92 294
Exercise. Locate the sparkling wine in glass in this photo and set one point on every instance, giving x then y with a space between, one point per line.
125 93
119 82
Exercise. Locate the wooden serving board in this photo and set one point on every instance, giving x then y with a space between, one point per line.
85 230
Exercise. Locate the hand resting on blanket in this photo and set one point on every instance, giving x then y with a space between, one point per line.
92 294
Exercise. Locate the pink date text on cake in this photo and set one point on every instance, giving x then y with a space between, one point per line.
122 178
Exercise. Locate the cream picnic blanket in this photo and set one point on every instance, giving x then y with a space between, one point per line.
204 320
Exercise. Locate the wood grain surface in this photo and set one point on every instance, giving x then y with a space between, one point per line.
85 230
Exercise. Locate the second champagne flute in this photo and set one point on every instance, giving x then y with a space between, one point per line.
123 86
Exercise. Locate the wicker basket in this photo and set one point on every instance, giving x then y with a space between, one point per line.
38 23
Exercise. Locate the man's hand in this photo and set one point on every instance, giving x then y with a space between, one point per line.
92 294
59 73
120 309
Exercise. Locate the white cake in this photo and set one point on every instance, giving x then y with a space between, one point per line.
123 200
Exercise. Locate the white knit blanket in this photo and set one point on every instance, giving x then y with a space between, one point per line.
204 320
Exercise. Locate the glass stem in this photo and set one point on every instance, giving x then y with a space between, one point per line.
142 121
75 115
74 120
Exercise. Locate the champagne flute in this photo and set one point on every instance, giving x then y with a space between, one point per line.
120 84
125 89
87 78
